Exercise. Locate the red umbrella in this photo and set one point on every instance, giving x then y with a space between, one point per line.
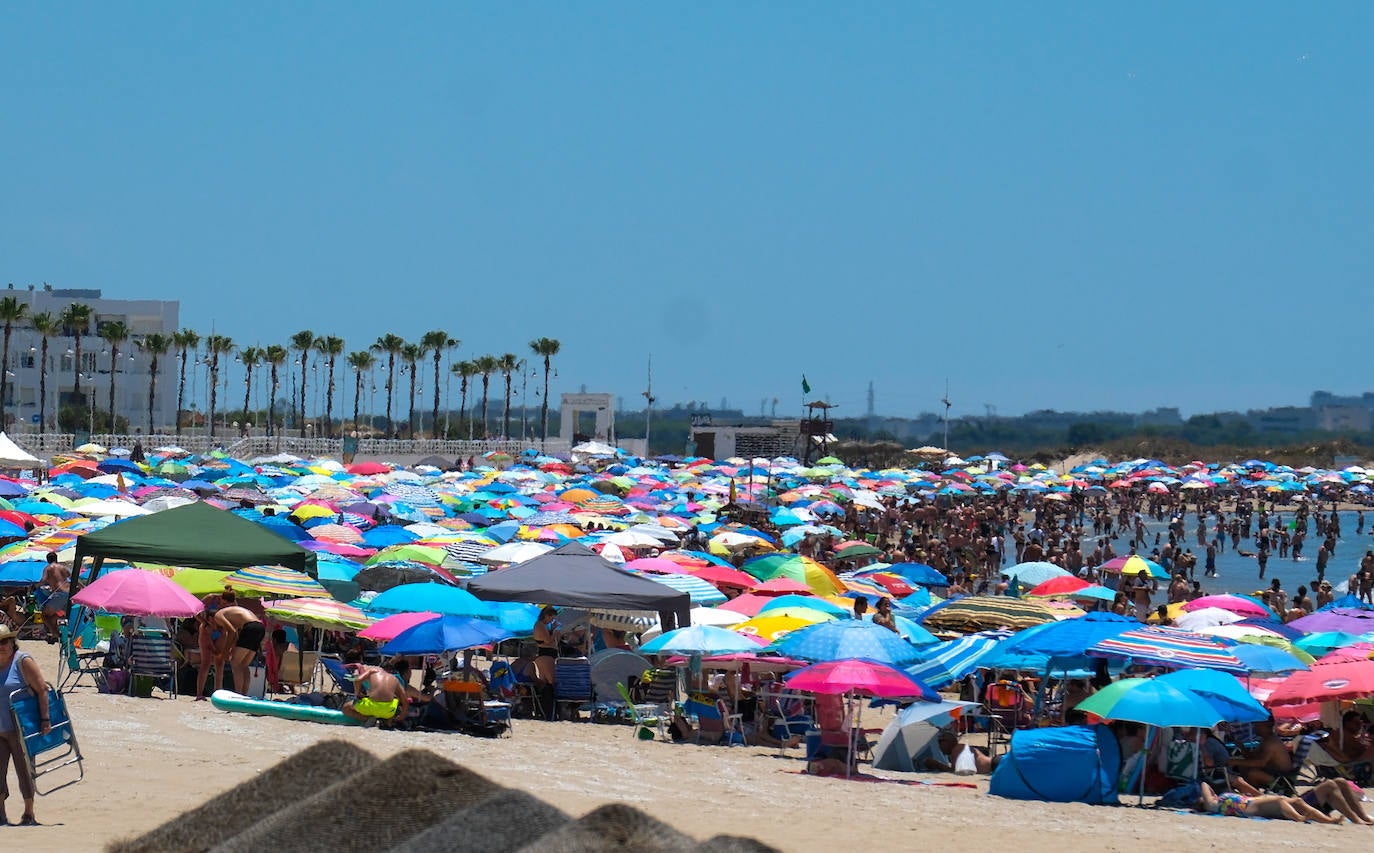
721 576
367 469
1063 585
1326 683
748 604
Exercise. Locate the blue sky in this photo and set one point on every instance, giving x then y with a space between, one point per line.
1076 207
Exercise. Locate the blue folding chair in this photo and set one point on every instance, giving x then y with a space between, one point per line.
46 753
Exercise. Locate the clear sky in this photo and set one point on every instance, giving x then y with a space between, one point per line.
1068 206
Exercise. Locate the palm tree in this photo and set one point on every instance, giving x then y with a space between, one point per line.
360 361
251 357
216 346
275 356
545 348
391 345
507 364
185 341
465 370
114 333
411 355
437 342
47 325
76 319
155 345
11 312
331 348
486 366
302 342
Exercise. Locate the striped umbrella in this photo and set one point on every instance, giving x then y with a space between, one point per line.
847 638
275 582
699 590
952 660
320 613
982 612
1169 647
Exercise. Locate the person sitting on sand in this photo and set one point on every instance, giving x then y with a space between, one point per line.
1328 794
946 754
378 695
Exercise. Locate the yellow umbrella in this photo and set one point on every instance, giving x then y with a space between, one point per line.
198 582
770 627
306 511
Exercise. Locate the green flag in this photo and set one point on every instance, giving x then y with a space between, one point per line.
806 386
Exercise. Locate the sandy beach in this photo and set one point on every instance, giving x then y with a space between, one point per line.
150 759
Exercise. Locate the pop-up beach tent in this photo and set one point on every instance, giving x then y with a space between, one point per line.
15 458
1070 764
196 536
574 575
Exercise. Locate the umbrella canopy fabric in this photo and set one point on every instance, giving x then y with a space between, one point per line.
950 661
847 638
699 640
1034 573
912 730
1326 683
857 675
1347 619
134 592
1221 690
319 613
1206 617
433 597
1152 702
274 582
1262 658
448 633
1243 607
981 612
1134 564
1171 648
1065 642
389 627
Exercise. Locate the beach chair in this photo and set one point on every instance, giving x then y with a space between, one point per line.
785 713
297 669
1287 783
152 662
333 668
1008 709
471 712
81 657
573 686
644 718
659 688
46 753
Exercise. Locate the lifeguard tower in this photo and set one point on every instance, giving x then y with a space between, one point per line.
816 430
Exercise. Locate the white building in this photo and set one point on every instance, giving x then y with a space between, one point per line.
142 316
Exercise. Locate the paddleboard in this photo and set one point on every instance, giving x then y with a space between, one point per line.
228 700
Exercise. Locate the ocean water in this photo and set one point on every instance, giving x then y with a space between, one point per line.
1241 574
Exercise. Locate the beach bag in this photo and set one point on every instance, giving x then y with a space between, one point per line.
116 681
1181 797
966 764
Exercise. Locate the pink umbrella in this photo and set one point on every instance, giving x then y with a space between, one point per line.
859 675
1234 603
1325 683
384 630
134 592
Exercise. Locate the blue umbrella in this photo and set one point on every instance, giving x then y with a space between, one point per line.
387 535
1034 573
432 597
699 640
1222 691
1262 658
918 574
448 633
950 661
516 616
1064 642
22 572
846 638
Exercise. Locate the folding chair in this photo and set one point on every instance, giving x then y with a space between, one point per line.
573 685
46 753
785 714
80 657
152 658
1287 783
644 718
472 712
334 669
297 669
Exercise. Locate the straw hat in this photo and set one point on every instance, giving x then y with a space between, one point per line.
6 633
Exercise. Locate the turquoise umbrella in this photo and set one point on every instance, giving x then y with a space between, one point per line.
1152 702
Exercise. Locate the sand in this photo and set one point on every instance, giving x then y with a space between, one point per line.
148 760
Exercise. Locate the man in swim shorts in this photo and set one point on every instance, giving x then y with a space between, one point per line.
57 581
245 633
379 694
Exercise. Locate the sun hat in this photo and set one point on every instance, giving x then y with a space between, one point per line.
7 633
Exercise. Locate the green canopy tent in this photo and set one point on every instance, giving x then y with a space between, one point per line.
196 536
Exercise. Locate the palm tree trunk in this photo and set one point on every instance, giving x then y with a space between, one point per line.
357 393
463 405
181 389
5 375
486 382
410 421
390 380
434 415
43 389
305 357
114 371
329 402
152 390
544 409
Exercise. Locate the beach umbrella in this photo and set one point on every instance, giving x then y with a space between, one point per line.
948 662
448 633
1347 619
911 731
513 552
1262 658
433 597
134 592
1324 642
1151 702
916 574
981 612
275 582
699 640
859 676
1168 647
808 602
847 638
388 627
1034 573
1244 607
1207 617
385 576
1063 585
1326 683
769 627
1064 642
1134 564
318 613
1221 690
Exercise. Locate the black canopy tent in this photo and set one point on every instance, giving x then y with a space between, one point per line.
574 575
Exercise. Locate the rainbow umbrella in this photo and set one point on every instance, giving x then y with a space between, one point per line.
319 613
1168 647
275 582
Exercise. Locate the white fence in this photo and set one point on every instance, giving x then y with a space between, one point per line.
48 444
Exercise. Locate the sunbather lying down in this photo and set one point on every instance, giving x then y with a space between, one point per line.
1315 805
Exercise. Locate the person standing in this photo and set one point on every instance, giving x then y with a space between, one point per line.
245 633
57 580
19 670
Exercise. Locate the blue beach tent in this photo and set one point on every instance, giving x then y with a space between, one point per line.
1070 764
